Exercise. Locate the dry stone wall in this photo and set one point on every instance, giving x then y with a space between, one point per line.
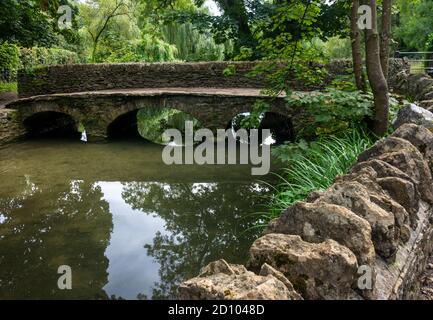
368 236
418 87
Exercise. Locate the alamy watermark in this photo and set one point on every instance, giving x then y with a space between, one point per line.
65 280
365 20
65 19
218 149
365 280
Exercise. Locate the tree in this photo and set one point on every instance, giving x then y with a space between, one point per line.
375 74
236 11
25 23
385 35
415 24
355 36
98 15
34 23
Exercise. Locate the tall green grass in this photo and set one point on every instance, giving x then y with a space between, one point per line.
315 167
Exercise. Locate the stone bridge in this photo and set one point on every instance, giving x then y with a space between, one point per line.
106 97
108 113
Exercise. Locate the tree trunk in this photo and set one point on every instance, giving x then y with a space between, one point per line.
375 74
355 36
236 10
385 36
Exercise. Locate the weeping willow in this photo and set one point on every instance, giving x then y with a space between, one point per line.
157 50
192 45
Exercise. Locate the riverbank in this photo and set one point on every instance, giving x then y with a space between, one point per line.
366 237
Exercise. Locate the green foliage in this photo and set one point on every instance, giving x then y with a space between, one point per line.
331 111
287 42
81 128
38 56
106 24
8 86
253 119
415 29
152 122
24 22
31 23
133 31
157 50
344 82
13 58
9 61
314 166
230 70
192 45
338 48
247 23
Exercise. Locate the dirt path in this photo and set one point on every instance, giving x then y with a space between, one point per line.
6 97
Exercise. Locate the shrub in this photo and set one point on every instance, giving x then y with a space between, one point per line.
38 56
9 61
13 58
314 166
331 111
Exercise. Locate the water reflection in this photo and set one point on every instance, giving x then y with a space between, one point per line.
204 221
130 239
45 227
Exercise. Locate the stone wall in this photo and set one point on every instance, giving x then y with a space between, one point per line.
368 236
417 87
10 126
92 77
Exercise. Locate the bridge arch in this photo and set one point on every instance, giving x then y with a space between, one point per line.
124 126
52 124
279 123
133 124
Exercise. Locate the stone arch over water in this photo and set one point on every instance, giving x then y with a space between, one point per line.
52 124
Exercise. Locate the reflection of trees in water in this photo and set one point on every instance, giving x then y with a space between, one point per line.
152 122
204 222
48 226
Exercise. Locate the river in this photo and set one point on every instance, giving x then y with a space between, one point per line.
128 225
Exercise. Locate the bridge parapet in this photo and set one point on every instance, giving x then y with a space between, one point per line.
96 77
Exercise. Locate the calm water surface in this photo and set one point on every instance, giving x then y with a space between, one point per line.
128 225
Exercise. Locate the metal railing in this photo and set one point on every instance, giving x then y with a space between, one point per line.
420 61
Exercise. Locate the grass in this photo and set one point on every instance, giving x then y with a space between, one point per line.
315 168
417 67
8 87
